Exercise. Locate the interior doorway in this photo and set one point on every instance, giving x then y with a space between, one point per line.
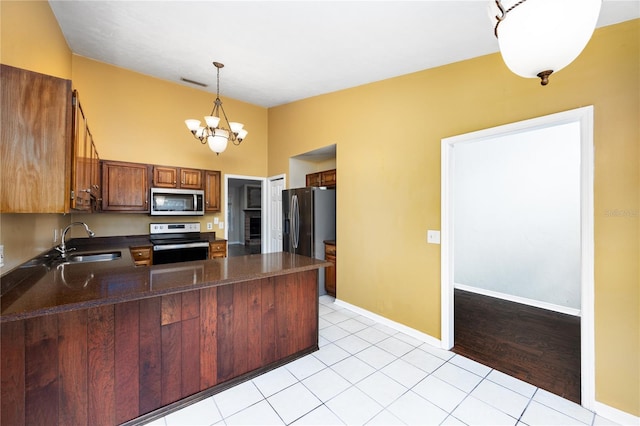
584 119
245 214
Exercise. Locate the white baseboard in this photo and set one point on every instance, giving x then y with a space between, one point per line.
615 415
518 299
392 324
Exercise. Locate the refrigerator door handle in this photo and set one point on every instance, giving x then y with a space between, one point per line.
295 222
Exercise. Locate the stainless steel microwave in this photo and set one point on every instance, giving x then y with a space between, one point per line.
177 202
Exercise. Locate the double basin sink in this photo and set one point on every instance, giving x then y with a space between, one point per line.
78 257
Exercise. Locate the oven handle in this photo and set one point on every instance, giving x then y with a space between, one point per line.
161 247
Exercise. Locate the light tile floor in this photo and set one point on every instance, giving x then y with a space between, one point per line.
368 373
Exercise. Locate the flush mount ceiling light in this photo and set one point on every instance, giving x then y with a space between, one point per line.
539 37
214 133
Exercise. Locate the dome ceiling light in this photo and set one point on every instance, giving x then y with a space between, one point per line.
539 37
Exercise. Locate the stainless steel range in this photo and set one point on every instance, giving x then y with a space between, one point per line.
177 242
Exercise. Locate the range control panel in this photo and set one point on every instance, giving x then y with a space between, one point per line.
174 228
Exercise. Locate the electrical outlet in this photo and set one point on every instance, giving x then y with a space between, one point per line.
433 237
55 236
221 225
1 255
209 226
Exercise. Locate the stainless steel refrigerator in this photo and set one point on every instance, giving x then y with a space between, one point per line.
309 218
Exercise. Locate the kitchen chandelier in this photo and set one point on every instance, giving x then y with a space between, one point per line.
214 133
542 36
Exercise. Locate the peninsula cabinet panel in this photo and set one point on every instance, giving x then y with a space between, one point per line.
35 142
12 369
137 360
101 357
127 360
125 187
72 363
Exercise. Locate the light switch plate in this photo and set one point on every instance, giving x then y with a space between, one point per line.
215 220
433 237
221 225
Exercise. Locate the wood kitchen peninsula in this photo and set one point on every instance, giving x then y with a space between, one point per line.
124 344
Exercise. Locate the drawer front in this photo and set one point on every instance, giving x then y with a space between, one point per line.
141 253
218 247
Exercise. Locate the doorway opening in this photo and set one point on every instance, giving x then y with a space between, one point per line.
582 118
245 215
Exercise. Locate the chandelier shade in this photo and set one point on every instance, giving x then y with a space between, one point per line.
540 37
214 133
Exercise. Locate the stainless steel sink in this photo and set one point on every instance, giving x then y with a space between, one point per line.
94 257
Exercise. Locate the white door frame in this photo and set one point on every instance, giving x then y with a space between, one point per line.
264 212
584 116
269 248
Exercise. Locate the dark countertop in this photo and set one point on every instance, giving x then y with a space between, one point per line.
51 286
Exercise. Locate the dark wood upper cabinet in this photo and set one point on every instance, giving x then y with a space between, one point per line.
176 177
85 164
324 178
212 191
35 145
125 187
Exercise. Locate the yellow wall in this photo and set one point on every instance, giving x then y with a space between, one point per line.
23 27
138 118
388 141
388 136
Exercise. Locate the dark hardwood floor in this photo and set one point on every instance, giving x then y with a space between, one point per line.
538 346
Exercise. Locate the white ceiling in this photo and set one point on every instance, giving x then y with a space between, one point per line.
277 52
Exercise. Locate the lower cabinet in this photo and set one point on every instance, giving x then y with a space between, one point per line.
330 272
217 249
142 256
110 364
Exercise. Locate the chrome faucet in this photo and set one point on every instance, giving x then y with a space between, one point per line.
62 248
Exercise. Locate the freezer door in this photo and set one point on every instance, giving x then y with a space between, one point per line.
297 211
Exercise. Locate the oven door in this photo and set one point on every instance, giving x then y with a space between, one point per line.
181 252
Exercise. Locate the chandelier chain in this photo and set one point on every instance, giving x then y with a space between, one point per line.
504 13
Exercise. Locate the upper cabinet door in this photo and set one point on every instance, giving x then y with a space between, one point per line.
212 191
165 177
175 177
190 179
35 144
125 187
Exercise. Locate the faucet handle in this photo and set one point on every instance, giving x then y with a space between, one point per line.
64 250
